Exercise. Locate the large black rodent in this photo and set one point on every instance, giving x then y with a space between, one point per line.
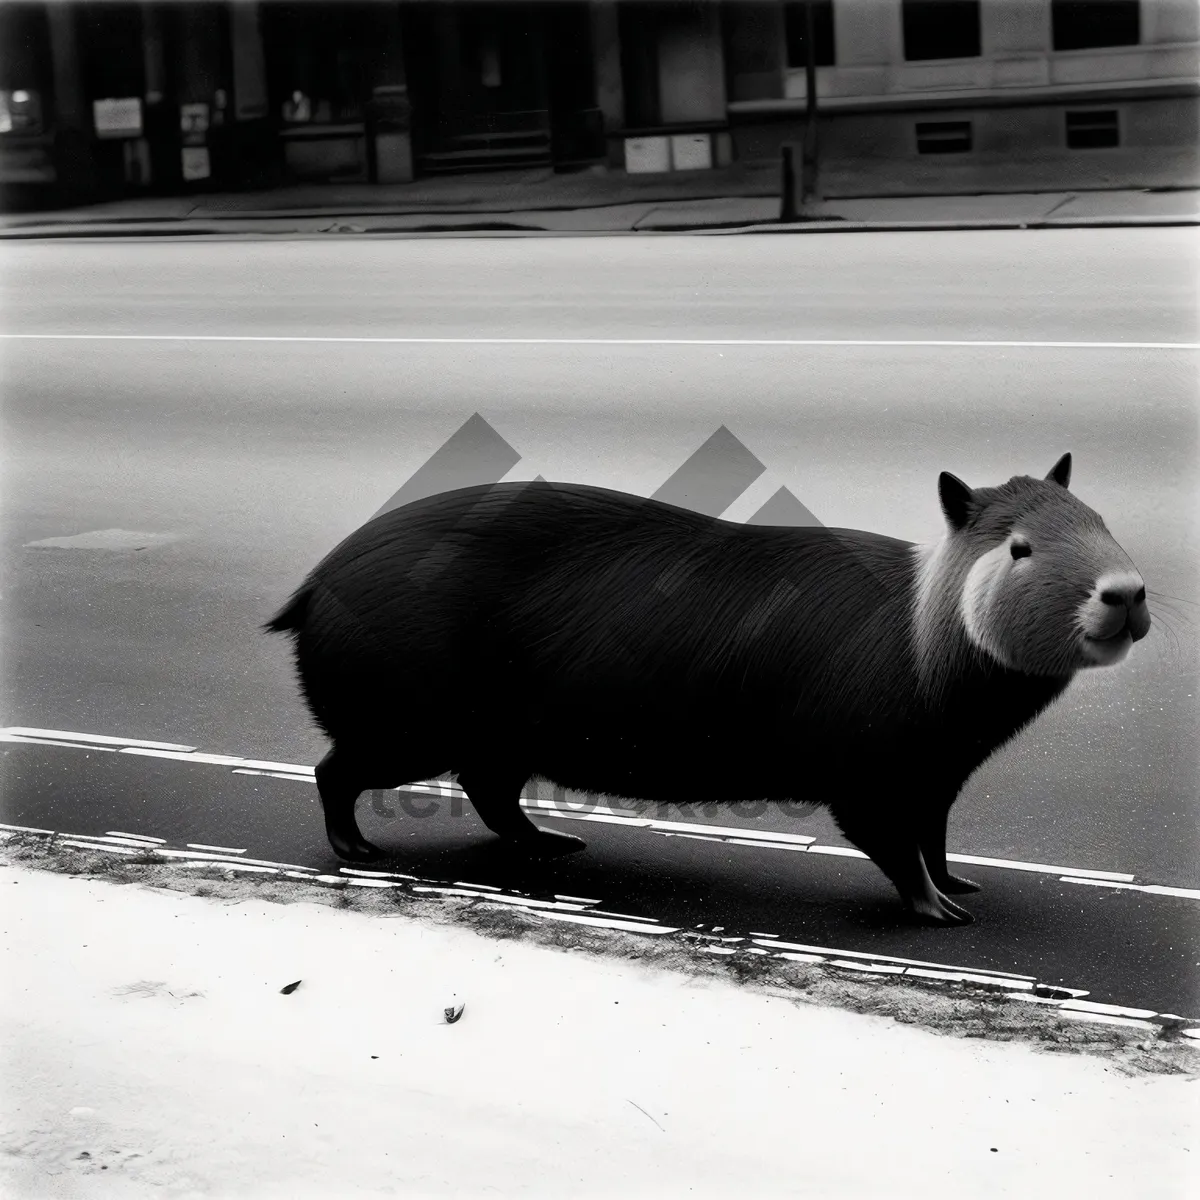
621 646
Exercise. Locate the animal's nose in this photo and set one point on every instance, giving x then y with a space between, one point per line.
1130 595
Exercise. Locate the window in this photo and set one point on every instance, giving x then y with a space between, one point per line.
794 27
315 62
943 137
1087 24
940 29
1093 130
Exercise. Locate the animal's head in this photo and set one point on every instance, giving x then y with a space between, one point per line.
1046 589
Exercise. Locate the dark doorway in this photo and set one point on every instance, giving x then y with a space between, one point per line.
500 86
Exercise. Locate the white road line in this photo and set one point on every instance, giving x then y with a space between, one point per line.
632 926
120 840
826 951
215 849
1099 1019
519 901
99 738
376 874
137 837
216 760
584 341
42 741
274 775
105 846
1112 1010
730 835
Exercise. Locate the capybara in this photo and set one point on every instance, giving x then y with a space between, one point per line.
621 646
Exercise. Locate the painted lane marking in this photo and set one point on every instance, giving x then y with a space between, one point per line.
137 837
938 343
826 951
99 738
582 919
216 760
988 980
576 899
1013 865
26 829
215 849
275 775
41 741
377 874
120 840
1098 1019
96 846
869 968
601 912
1112 1010
200 856
520 901
550 809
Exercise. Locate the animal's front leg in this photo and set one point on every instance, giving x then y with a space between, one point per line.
892 846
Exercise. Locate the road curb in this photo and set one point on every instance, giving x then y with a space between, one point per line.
503 228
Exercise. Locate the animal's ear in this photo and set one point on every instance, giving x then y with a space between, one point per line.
957 499
1061 474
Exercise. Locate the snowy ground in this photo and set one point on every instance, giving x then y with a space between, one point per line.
149 1051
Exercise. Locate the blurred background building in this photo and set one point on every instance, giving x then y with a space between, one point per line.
112 98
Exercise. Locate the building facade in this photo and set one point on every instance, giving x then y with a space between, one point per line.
107 98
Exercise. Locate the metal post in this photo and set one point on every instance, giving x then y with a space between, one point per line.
787 206
809 186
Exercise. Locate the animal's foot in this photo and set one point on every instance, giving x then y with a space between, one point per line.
938 910
955 885
548 843
354 849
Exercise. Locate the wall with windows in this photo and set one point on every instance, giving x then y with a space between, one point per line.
893 49
955 95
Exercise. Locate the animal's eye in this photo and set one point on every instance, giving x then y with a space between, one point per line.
1021 550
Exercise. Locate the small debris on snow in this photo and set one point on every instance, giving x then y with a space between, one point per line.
453 1012
291 987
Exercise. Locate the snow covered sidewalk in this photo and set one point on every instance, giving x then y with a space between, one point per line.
148 1050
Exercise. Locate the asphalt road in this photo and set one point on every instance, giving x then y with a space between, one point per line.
249 459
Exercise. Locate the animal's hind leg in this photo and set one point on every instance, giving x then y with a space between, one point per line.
897 853
339 785
931 833
496 796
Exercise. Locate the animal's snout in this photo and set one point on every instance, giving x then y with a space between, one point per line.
1125 610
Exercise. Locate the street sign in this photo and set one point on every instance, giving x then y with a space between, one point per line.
196 162
120 118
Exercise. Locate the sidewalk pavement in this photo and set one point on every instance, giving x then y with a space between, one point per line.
220 1045
734 199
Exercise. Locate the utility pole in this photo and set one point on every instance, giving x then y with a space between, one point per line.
808 151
